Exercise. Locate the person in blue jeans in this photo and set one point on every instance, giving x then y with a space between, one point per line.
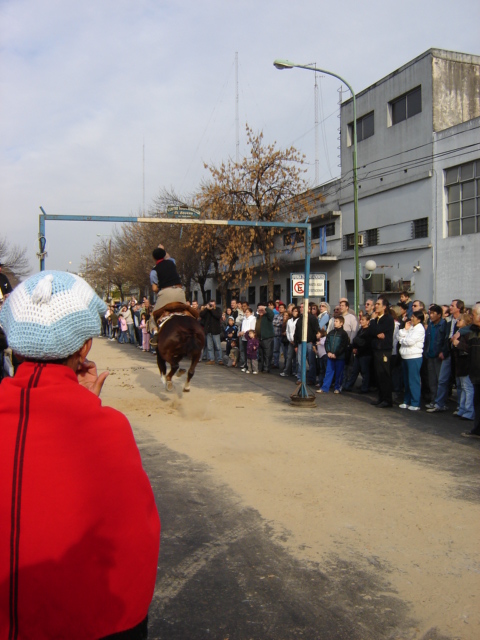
411 340
336 347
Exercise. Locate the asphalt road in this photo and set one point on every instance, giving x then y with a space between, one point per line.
222 574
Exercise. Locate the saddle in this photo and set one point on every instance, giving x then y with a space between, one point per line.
175 307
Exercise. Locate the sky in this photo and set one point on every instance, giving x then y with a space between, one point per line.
103 103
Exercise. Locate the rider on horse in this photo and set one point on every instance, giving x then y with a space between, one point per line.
166 283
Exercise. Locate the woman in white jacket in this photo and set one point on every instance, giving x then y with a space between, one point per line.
411 340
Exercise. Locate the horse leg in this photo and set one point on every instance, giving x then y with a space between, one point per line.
171 373
191 371
162 366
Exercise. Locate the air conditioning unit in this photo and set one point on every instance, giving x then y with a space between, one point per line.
375 284
351 240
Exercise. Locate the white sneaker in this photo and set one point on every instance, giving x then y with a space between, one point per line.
249 372
403 406
254 372
414 408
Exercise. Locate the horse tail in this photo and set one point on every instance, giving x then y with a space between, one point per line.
194 343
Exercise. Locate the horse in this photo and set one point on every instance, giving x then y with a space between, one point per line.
179 336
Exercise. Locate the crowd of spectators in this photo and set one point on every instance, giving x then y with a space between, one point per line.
410 355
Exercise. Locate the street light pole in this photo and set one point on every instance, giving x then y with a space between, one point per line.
286 64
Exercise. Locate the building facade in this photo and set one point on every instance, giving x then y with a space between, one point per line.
418 139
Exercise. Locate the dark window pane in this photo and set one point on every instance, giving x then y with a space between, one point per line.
477 170
414 102
451 175
468 208
478 187
454 228
468 225
420 228
368 128
399 110
468 189
466 171
331 229
454 193
454 211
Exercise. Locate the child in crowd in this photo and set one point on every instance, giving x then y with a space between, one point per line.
114 320
234 354
322 357
231 331
145 335
336 347
122 323
252 352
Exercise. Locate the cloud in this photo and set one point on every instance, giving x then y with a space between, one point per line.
85 85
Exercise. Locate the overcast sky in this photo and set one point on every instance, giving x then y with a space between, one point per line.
86 85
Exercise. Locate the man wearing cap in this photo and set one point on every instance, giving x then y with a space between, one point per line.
79 530
5 286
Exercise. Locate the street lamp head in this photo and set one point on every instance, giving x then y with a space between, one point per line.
283 64
370 265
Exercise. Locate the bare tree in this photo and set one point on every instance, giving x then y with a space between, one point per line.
14 260
266 186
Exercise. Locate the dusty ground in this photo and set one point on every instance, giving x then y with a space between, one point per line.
367 519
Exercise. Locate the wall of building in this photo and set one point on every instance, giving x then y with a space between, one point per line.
456 259
456 89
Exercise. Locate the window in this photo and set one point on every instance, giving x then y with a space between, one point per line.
420 228
277 291
365 128
372 237
463 199
251 295
329 228
263 293
406 106
218 297
293 237
208 296
348 241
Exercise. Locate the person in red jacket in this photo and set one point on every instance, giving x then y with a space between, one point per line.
79 529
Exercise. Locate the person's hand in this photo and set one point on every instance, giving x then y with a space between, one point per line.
381 336
441 356
333 356
87 376
354 352
408 325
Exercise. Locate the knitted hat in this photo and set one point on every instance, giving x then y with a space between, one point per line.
51 315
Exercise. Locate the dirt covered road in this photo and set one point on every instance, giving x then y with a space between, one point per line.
344 521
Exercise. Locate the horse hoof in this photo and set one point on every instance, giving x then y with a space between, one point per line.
169 386
186 389
180 372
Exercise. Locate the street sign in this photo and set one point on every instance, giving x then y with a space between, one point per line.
317 285
182 212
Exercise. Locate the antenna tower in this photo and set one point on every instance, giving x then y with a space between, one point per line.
316 132
237 127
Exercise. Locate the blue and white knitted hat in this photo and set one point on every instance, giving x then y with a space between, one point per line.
51 315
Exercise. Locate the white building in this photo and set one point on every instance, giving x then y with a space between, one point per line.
418 132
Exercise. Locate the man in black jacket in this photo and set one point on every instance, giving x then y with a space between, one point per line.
381 329
211 317
473 346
